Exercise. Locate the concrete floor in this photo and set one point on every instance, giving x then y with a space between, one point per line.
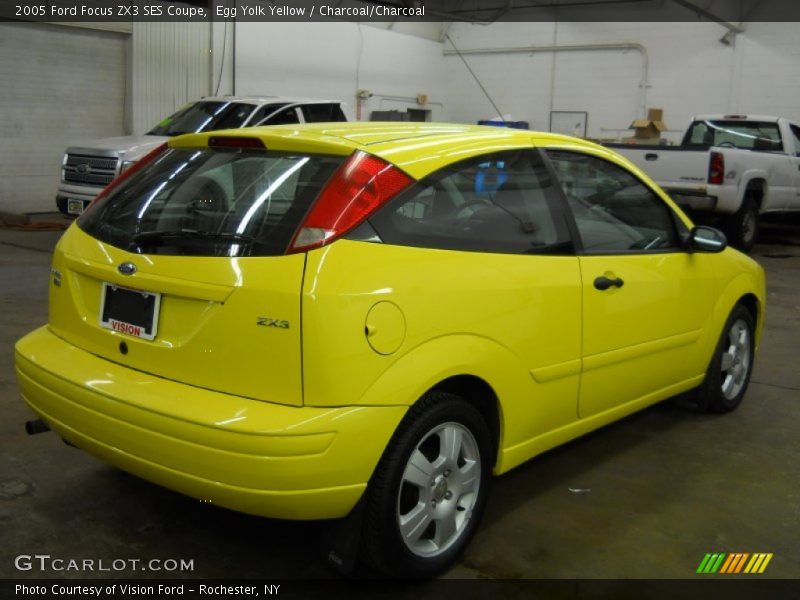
647 497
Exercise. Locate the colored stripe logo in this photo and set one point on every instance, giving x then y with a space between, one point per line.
734 563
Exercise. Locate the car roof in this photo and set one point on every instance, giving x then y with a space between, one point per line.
271 99
417 148
736 117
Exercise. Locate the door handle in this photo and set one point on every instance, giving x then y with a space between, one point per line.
602 283
651 156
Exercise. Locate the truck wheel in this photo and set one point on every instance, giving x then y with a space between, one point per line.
729 372
429 489
742 226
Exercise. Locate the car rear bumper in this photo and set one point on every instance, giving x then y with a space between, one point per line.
247 455
692 201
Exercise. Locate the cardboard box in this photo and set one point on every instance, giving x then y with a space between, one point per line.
651 127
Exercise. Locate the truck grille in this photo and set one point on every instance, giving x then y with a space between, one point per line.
91 170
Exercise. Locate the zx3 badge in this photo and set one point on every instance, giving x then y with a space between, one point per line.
268 322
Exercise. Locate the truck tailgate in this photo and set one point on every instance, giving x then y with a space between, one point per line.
672 167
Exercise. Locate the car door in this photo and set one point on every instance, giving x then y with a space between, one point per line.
645 299
487 254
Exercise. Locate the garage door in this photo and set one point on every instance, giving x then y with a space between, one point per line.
60 86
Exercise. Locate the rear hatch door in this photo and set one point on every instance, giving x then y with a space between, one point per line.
181 271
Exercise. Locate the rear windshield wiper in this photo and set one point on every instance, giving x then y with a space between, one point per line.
156 236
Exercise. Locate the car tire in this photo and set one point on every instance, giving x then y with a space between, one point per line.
742 226
429 489
729 373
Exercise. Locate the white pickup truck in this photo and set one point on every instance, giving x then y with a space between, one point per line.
88 168
732 167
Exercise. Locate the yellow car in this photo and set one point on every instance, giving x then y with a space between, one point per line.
301 321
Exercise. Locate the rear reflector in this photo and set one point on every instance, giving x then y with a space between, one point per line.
231 141
358 188
130 171
716 168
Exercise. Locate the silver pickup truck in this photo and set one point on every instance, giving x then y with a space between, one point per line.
88 168
731 167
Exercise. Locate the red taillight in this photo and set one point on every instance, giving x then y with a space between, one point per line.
716 168
231 141
356 190
140 164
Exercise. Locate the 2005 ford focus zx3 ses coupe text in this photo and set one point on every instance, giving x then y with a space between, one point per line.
295 321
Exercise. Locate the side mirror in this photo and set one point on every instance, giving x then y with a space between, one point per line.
706 239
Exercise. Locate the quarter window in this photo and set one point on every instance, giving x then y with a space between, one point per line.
613 210
504 202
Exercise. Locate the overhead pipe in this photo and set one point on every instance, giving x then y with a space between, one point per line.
573 48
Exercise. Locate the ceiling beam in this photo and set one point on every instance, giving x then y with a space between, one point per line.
710 16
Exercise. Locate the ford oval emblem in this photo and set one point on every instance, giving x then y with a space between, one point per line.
127 268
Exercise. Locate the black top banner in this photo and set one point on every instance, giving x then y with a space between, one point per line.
726 12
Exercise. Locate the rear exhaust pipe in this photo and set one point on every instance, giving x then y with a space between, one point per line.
36 426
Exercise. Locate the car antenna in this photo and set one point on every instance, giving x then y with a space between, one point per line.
471 72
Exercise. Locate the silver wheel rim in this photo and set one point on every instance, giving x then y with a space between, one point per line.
748 227
439 490
735 364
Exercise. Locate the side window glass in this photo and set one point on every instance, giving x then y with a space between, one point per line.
263 112
322 113
796 136
287 116
613 210
504 202
700 135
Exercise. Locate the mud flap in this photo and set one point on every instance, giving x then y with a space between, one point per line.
341 540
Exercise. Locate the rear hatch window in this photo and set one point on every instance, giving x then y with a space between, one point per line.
211 203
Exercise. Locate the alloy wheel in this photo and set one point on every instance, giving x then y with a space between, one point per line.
735 364
439 490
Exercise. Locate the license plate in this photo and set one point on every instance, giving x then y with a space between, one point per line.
74 207
128 311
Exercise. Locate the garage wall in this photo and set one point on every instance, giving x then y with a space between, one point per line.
767 77
171 65
688 71
334 59
47 73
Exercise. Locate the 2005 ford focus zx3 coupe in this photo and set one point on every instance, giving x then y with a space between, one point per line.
293 322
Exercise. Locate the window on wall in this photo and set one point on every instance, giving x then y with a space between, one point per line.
504 202
613 210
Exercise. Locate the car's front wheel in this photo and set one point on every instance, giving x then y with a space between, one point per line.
429 489
729 373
